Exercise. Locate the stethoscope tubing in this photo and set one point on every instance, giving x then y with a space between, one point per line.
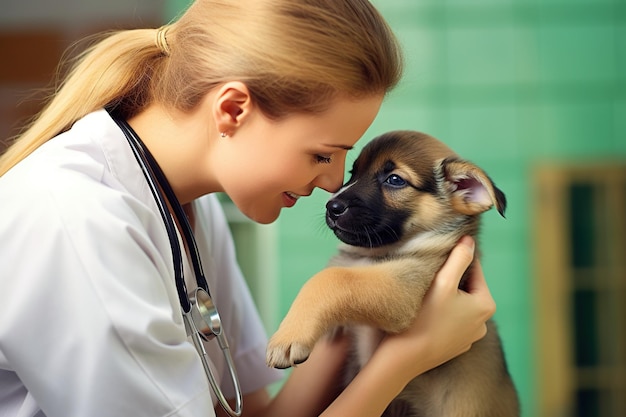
197 341
153 175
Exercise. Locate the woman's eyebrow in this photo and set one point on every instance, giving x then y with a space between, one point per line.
345 147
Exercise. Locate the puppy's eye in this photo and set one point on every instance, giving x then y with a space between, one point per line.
395 181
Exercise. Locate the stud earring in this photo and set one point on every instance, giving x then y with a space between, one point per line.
222 134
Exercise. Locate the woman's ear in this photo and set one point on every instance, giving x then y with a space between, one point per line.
233 104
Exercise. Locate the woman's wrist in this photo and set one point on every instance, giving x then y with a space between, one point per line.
371 391
405 356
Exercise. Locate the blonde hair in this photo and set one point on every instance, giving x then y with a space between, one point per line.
293 55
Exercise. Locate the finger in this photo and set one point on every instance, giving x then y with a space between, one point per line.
477 286
460 258
476 282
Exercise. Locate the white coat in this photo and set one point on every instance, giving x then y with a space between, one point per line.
90 322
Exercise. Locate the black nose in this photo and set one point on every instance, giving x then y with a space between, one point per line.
336 208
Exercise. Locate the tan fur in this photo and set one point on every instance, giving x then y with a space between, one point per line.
374 286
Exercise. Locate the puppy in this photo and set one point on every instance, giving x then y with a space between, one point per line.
408 202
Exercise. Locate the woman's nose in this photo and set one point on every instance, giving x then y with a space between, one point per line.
331 180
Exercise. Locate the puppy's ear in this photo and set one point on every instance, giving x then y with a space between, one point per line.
471 190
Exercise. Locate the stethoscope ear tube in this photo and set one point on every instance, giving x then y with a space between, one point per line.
197 341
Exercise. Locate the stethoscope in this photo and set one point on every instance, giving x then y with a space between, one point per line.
202 321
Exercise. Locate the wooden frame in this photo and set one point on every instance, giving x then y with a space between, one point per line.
569 383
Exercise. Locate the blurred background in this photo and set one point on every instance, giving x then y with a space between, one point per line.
532 91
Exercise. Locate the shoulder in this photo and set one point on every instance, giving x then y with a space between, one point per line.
86 173
65 195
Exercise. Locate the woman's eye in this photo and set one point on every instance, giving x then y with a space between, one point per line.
322 159
395 181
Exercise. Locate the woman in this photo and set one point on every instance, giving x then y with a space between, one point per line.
260 99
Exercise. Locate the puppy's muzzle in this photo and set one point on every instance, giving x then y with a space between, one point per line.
340 220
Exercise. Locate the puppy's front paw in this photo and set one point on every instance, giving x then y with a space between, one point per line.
293 342
308 319
284 354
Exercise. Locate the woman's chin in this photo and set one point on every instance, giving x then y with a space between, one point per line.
262 217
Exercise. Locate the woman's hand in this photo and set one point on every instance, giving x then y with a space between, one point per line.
450 319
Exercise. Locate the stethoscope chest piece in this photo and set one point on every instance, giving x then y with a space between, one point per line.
203 323
205 315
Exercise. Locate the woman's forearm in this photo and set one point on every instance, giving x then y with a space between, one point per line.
371 391
312 385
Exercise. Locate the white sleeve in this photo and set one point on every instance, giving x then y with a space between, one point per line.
242 324
89 319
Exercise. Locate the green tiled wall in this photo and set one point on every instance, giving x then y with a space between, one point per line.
506 84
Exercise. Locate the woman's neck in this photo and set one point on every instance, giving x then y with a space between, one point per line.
177 142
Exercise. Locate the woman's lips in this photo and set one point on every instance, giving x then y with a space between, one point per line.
290 199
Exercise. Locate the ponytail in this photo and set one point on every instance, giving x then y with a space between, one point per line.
115 69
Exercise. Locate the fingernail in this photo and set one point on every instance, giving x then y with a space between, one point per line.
469 241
